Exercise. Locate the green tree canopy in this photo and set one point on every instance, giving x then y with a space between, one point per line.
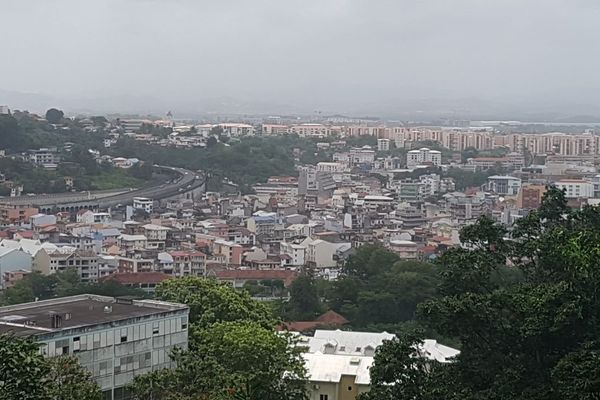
54 116
23 371
534 337
379 291
233 352
211 302
25 374
304 303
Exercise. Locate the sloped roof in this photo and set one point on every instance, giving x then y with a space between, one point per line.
331 367
332 318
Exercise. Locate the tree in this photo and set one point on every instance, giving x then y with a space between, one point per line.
99 121
469 152
304 301
530 338
69 381
378 291
211 302
231 360
10 133
23 371
54 116
211 142
400 372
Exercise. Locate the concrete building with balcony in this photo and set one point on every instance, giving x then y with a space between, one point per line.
16 214
576 188
504 185
114 339
405 249
143 203
423 156
132 242
383 144
296 252
85 263
228 252
186 263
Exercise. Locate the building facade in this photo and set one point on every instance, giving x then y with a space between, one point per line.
114 339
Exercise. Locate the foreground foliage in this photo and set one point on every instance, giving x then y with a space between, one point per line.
27 375
528 338
233 353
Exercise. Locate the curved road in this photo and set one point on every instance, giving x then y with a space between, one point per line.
187 181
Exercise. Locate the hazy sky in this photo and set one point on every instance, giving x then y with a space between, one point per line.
333 55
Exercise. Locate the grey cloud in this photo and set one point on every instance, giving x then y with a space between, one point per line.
372 56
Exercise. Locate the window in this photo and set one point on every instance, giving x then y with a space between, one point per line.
349 388
323 397
123 338
155 329
76 345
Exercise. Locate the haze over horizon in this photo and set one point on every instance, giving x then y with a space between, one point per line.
467 58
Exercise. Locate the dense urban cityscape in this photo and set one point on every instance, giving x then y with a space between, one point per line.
299 200
394 195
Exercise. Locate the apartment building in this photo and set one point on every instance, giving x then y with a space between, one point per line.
187 263
383 144
423 156
504 185
235 129
156 235
143 203
230 253
296 253
85 263
530 196
44 156
132 242
114 339
16 214
311 130
576 188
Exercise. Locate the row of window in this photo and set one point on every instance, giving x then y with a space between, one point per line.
117 336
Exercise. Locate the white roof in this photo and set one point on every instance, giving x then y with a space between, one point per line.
330 367
435 351
354 343
29 246
377 198
154 227
4 251
164 257
132 237
402 243
351 341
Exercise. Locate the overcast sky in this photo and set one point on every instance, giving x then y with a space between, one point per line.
332 55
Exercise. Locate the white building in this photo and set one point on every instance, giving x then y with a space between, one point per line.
504 184
330 167
297 253
423 156
143 203
235 129
338 362
576 188
4 110
132 242
383 144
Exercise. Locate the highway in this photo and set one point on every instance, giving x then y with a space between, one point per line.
186 181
